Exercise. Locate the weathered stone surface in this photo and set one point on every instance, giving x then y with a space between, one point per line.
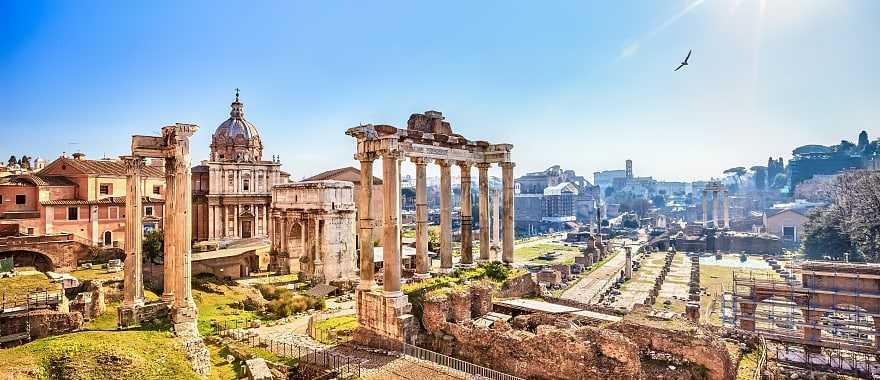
45 323
434 314
256 369
460 306
481 299
549 276
519 286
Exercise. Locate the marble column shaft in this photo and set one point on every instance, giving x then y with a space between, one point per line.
445 216
508 230
422 262
715 208
705 207
391 229
365 222
169 247
133 284
726 210
484 210
183 220
467 241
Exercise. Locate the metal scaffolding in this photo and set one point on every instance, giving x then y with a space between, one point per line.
816 324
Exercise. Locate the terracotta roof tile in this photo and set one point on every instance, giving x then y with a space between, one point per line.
119 201
107 167
350 174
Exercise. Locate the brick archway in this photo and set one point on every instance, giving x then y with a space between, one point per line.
30 258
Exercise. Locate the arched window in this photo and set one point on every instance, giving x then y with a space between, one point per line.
108 238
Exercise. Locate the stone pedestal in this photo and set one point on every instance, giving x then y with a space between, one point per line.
385 317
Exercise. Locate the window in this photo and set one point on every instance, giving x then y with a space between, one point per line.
231 183
157 190
20 199
104 188
30 231
788 233
73 213
108 238
148 211
246 184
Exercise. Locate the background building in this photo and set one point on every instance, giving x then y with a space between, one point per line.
232 190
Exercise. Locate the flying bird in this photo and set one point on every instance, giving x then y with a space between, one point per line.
685 62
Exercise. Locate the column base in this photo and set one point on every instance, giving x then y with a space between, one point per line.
365 285
382 315
392 294
185 314
444 270
467 265
167 298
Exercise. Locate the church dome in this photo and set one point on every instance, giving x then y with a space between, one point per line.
236 139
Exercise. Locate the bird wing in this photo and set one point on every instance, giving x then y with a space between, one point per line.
679 66
688 56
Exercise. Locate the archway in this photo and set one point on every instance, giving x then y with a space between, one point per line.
108 238
24 258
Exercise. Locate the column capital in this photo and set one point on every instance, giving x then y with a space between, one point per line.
420 161
483 165
366 156
134 165
465 167
507 165
392 154
443 163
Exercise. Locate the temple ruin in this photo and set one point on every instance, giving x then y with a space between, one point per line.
385 313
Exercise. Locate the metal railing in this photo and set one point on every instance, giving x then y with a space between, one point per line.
455 364
343 366
34 300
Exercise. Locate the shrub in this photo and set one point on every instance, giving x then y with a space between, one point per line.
496 271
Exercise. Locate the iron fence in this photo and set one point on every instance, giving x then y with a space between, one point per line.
478 372
342 366
34 300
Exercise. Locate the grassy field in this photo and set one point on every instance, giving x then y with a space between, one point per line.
24 284
216 304
531 253
139 354
96 274
716 279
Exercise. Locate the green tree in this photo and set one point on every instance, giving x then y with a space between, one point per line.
823 235
153 246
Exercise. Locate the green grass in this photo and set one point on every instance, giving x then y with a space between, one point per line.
747 365
96 274
99 355
218 302
531 253
26 284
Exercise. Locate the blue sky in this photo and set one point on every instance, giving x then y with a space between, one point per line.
581 84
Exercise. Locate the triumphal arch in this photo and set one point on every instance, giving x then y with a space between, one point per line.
428 138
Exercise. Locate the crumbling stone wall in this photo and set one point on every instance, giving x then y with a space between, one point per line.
434 313
44 323
481 299
694 345
460 306
519 286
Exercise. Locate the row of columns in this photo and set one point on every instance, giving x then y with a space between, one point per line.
310 236
260 211
726 211
261 181
391 206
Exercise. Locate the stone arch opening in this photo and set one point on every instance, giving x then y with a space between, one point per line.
28 258
107 238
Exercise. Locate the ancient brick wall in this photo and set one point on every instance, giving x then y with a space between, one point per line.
519 286
481 300
434 314
460 306
48 323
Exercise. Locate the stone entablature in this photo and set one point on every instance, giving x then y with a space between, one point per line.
312 230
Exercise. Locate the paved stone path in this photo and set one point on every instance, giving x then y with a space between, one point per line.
594 283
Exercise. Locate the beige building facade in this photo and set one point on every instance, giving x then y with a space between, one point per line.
232 191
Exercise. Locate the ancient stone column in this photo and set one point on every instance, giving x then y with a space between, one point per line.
467 240
133 284
445 216
365 221
715 208
627 269
422 262
184 305
726 210
210 222
169 246
508 230
496 215
390 230
483 169
705 208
